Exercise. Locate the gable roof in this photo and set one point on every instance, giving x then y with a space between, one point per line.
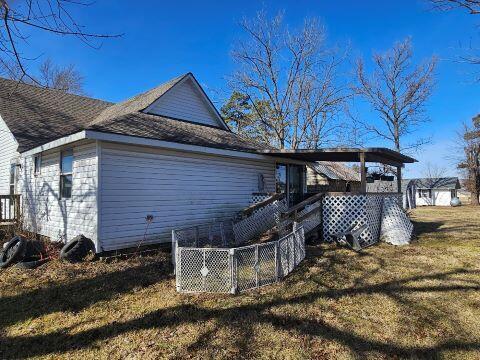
137 103
443 183
38 115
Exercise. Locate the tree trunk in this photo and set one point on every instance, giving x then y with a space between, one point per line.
474 198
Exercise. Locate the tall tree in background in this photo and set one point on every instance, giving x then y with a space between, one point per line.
22 17
242 116
65 78
470 161
290 80
397 90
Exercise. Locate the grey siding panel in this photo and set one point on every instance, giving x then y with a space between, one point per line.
184 101
47 214
8 151
178 188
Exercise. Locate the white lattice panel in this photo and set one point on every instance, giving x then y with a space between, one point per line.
396 226
259 222
340 212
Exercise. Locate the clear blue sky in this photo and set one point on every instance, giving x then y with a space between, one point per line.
165 38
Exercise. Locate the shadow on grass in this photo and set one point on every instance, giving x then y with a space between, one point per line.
72 297
240 318
426 227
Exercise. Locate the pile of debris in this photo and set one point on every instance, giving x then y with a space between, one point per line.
27 253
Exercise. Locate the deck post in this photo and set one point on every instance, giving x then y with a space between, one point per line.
363 173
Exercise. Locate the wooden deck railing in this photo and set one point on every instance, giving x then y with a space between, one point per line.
9 208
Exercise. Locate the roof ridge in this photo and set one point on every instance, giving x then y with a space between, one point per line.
45 88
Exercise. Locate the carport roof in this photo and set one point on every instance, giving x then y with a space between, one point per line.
377 155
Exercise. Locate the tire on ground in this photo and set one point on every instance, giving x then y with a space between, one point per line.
31 263
76 249
14 251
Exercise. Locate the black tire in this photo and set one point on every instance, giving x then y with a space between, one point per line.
14 251
76 249
31 263
34 249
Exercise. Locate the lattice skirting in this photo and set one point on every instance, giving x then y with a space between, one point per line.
340 212
396 227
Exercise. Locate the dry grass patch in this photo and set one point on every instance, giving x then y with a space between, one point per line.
417 301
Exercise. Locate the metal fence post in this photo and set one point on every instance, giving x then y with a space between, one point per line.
174 250
257 266
196 236
277 261
233 272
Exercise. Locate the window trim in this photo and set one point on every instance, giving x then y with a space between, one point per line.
65 174
37 167
13 176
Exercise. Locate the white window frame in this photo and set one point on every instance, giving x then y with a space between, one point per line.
65 174
37 164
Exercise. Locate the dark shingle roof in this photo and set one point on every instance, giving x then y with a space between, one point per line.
166 129
37 115
446 183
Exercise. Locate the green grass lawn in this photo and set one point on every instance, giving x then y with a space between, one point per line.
417 301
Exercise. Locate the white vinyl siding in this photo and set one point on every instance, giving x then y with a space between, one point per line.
438 198
8 152
44 211
178 188
185 101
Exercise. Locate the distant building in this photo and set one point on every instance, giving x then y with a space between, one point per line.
429 191
333 177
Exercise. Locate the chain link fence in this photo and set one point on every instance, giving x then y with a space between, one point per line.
236 269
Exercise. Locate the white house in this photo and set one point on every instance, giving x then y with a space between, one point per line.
86 166
431 191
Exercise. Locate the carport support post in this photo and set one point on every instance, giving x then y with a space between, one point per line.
399 179
363 173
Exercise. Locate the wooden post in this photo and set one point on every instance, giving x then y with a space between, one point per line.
399 179
363 173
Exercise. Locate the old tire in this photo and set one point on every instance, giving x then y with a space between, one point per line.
31 263
76 249
14 251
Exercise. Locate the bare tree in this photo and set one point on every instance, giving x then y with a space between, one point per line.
296 74
472 6
469 138
433 171
65 78
21 17
398 92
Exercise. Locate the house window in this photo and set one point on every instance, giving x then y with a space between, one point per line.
425 193
12 178
37 160
66 162
281 178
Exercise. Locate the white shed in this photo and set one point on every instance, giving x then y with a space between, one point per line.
431 191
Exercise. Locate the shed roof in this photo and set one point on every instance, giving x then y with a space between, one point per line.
380 155
443 183
336 171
